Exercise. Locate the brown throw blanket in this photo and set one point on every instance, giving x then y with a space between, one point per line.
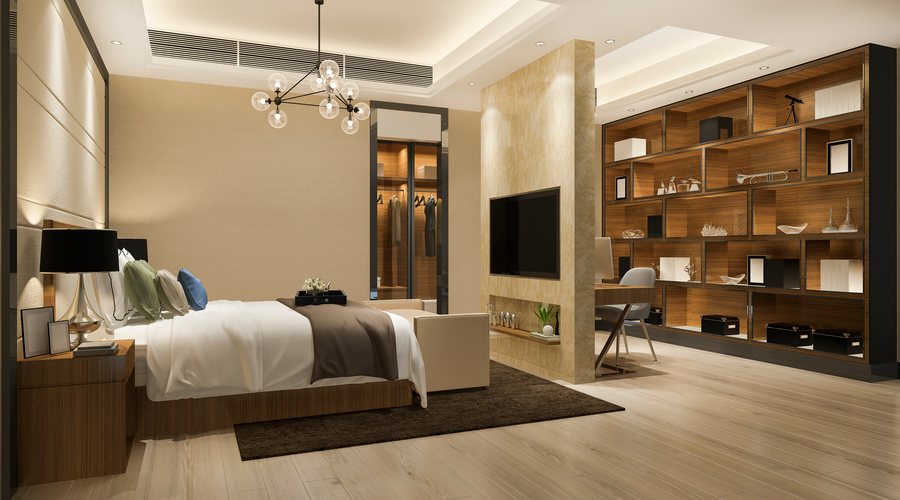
350 340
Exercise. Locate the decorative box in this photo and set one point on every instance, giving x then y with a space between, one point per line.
782 273
789 334
630 148
839 275
654 226
718 127
719 324
655 317
327 297
380 169
624 265
426 172
838 100
838 342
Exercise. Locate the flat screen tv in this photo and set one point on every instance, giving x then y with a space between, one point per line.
525 235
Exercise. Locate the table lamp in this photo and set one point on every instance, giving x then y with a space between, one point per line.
71 251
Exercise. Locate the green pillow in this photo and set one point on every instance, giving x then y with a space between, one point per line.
141 290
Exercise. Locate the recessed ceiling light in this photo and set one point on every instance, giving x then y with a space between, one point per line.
539 43
471 83
688 91
631 110
610 41
763 68
116 42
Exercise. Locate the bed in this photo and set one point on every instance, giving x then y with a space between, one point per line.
240 362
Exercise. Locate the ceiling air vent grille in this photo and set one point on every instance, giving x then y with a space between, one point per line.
193 47
13 25
377 70
255 55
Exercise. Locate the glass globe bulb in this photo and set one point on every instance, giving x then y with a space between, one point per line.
328 108
351 90
350 126
277 118
260 101
316 83
334 84
277 82
361 110
329 68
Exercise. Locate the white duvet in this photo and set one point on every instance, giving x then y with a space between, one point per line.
239 347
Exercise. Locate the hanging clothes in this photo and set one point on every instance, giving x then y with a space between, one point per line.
394 222
429 226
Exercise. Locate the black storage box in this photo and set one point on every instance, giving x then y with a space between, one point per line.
654 226
720 325
328 297
655 317
838 342
712 129
624 265
782 273
789 334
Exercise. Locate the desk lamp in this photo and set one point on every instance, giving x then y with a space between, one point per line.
71 251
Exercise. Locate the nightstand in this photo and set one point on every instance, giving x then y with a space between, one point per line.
75 415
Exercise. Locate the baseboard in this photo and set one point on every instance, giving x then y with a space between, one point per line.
830 366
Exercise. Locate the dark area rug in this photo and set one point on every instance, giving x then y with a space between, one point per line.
514 397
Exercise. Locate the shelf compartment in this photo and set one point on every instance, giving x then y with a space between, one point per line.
425 162
629 216
816 311
818 250
776 152
729 258
647 253
621 250
818 137
609 188
771 108
683 122
808 203
686 216
395 158
648 127
685 305
650 173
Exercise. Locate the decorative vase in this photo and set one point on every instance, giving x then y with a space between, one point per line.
548 330
830 228
848 226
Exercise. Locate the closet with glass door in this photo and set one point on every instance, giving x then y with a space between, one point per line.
409 222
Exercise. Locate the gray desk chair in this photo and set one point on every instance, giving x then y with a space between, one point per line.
639 276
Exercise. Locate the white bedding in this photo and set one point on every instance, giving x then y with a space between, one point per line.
236 347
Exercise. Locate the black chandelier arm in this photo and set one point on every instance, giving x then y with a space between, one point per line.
339 97
300 103
302 95
298 81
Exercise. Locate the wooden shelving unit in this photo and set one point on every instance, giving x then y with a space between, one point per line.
522 334
750 211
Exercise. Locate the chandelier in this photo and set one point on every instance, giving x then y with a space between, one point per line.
339 93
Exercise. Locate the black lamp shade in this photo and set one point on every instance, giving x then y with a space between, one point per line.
137 247
79 251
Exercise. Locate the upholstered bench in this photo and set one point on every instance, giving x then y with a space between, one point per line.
455 347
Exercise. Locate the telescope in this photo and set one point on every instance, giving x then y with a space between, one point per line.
793 99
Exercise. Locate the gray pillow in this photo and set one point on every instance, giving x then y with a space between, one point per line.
171 293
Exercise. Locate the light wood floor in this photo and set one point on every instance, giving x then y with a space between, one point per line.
697 425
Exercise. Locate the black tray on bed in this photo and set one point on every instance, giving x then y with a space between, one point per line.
328 297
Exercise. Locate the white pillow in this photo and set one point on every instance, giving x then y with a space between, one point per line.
171 292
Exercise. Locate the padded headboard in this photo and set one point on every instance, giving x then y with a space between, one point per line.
50 279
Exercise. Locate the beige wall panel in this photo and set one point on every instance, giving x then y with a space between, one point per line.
465 213
54 170
52 53
29 82
250 210
77 42
551 145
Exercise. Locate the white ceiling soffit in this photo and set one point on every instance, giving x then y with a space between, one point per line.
667 59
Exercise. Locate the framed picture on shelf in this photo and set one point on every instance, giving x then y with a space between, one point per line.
59 337
35 330
622 187
840 156
756 269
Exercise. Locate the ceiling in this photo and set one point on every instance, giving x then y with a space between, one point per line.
662 48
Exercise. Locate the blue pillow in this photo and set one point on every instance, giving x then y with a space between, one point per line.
193 290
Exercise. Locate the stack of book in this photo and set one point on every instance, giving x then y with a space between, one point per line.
541 336
96 349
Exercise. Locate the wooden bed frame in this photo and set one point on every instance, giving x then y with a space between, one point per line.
196 415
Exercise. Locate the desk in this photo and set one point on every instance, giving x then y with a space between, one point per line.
608 294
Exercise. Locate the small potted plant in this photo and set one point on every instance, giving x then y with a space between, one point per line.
545 313
315 286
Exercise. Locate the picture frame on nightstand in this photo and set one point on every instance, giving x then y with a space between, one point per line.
59 337
35 330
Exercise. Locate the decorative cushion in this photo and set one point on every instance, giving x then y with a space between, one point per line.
141 290
193 290
171 293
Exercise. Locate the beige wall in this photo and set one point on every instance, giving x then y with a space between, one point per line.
465 212
537 132
61 135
